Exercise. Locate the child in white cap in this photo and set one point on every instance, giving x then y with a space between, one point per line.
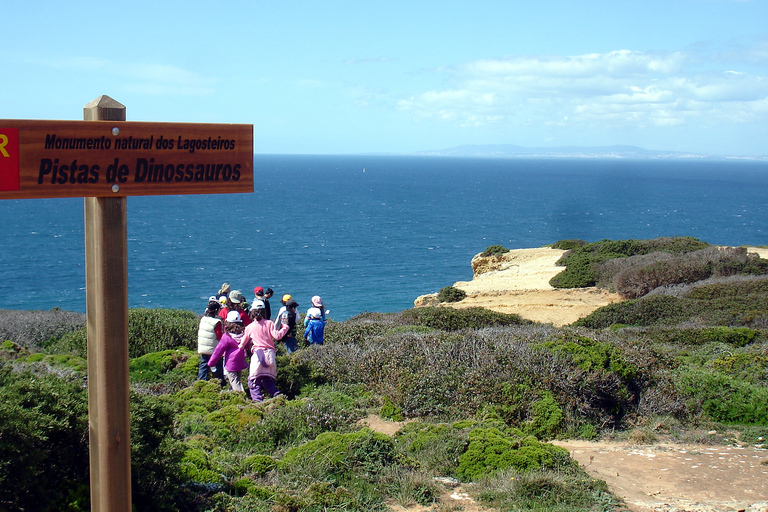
229 348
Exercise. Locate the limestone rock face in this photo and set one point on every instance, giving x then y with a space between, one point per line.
429 299
482 264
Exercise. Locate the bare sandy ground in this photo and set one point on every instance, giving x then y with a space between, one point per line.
662 477
518 283
678 477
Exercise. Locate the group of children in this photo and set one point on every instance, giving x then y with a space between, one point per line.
231 330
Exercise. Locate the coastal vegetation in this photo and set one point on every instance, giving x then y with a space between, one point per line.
484 393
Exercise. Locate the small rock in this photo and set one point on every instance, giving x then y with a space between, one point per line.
446 480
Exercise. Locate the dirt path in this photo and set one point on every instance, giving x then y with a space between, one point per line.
664 477
676 477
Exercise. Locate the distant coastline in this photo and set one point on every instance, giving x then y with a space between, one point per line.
616 151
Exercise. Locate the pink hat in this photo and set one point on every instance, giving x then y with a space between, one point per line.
317 301
258 290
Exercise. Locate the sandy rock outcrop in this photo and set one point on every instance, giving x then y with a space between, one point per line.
518 282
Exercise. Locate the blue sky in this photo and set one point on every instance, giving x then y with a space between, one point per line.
350 76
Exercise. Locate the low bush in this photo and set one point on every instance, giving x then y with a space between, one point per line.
33 329
44 460
582 262
175 367
149 330
491 450
494 250
645 275
435 446
647 311
451 294
567 245
449 319
724 398
43 440
572 490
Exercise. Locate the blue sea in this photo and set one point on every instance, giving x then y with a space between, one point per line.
371 233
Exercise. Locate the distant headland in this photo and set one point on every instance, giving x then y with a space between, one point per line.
615 151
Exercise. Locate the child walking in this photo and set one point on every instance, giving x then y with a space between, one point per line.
229 348
209 333
258 335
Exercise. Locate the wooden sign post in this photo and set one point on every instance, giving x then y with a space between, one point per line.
106 285
104 159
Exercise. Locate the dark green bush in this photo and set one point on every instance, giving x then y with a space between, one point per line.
567 245
491 450
154 330
494 250
724 398
647 311
324 410
156 455
149 330
449 319
294 375
451 294
44 461
335 453
43 440
176 367
591 355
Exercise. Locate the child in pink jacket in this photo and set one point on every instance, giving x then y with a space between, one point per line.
259 335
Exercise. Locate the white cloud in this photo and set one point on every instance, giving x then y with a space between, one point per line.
143 78
616 89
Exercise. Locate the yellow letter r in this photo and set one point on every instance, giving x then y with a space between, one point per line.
3 142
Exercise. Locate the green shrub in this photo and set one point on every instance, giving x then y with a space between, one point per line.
294 375
492 450
323 410
567 245
724 398
647 311
156 455
545 491
494 250
43 440
335 453
451 294
449 319
155 330
44 459
168 366
259 465
435 446
582 262
751 368
591 355
390 411
546 418
149 330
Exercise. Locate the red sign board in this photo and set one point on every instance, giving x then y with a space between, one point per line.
119 158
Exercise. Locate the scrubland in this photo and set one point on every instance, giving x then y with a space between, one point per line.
485 392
